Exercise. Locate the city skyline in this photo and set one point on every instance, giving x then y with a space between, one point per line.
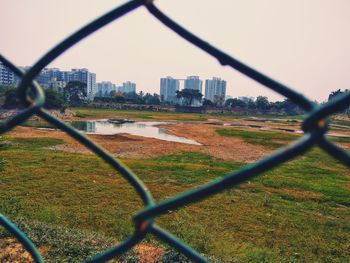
306 49
215 88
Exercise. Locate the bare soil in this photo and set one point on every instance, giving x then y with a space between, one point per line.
148 253
11 251
129 146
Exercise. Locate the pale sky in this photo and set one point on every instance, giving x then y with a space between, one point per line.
305 44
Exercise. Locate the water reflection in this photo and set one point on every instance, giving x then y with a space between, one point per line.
145 129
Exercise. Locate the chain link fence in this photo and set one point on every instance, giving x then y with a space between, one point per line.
31 94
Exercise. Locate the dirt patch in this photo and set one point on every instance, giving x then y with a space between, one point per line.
344 145
66 115
12 251
227 148
148 253
129 146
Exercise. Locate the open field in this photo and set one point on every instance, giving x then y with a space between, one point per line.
153 115
73 205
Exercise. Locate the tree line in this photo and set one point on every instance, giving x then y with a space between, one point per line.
262 104
131 97
74 94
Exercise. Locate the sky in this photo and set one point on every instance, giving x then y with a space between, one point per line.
305 44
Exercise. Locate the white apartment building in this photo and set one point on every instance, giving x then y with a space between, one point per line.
193 82
127 87
7 77
168 88
83 75
104 88
215 90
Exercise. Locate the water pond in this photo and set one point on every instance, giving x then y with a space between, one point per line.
145 129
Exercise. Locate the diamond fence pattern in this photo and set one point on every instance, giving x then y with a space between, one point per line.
31 94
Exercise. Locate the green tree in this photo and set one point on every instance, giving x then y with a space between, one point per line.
251 104
112 93
262 103
54 100
208 103
188 95
11 99
338 93
75 93
133 97
335 94
152 99
290 107
278 105
234 103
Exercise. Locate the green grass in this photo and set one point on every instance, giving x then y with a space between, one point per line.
38 124
3 145
340 122
269 139
135 114
297 212
178 116
66 244
339 139
80 114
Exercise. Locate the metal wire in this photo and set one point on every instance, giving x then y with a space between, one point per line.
315 127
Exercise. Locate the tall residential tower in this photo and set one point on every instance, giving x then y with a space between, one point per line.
168 88
6 75
87 77
193 82
215 90
127 87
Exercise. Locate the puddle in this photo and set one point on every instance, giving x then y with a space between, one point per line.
145 129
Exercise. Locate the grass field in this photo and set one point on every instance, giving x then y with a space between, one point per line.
295 213
144 115
153 115
298 212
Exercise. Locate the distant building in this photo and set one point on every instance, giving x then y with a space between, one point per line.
57 79
17 79
48 75
168 88
215 90
7 76
57 85
127 87
66 76
104 88
89 78
193 82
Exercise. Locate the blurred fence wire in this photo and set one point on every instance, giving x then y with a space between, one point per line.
32 96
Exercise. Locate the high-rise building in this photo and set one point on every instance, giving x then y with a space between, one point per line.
6 75
215 90
17 79
168 88
52 78
193 82
127 87
49 74
55 78
83 75
104 88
